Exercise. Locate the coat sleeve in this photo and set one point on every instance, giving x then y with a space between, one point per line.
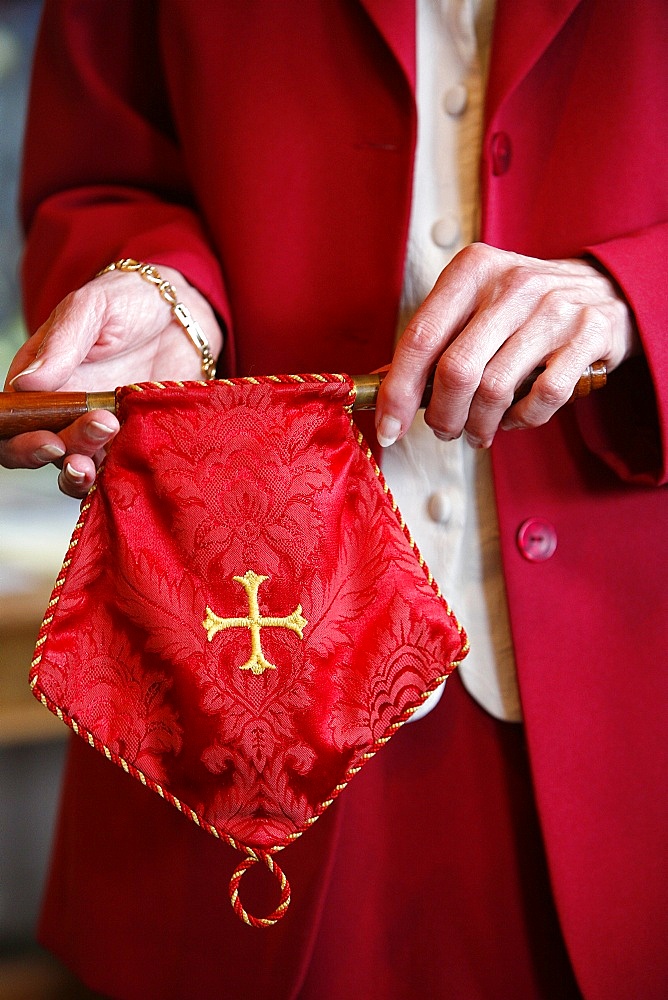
627 423
104 175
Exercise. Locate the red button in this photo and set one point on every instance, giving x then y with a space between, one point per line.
501 153
536 539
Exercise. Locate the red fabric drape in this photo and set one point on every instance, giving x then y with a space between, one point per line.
243 620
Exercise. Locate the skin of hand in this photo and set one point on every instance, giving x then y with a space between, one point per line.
114 330
491 318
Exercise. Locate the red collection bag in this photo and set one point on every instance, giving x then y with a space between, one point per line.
242 619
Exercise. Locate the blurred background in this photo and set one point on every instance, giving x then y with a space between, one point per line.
35 525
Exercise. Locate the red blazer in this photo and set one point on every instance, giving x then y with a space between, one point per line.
277 178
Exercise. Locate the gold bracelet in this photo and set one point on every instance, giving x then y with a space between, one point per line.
181 313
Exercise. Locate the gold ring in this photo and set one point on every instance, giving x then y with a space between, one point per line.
595 376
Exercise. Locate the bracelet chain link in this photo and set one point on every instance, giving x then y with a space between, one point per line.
181 313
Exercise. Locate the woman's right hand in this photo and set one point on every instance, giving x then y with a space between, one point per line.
114 330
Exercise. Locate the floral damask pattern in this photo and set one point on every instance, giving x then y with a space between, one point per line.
236 524
129 710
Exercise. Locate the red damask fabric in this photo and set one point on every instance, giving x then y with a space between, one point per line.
242 619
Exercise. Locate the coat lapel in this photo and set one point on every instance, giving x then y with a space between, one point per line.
523 29
395 20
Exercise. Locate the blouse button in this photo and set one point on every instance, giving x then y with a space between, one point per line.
456 100
445 232
439 507
536 539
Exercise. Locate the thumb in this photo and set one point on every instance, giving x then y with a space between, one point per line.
50 357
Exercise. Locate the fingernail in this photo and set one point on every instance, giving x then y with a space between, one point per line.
48 453
96 431
37 363
73 474
388 431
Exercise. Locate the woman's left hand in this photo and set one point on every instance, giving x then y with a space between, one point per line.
492 317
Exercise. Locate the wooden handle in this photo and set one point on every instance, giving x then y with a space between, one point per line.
594 377
21 412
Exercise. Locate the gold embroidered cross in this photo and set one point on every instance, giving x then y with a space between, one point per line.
254 621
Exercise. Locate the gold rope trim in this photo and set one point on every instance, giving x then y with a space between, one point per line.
303 379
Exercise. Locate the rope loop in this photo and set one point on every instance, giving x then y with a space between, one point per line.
248 862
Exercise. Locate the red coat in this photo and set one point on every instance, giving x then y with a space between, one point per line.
277 178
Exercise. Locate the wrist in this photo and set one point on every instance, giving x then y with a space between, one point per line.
185 303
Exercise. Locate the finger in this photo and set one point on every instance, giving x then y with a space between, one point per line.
583 343
32 450
491 400
77 476
552 389
88 436
463 372
418 351
527 349
91 433
492 407
438 320
402 388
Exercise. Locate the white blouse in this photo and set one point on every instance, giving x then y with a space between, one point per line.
444 489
